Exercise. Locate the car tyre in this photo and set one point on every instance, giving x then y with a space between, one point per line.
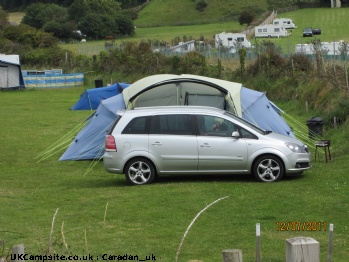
139 171
268 169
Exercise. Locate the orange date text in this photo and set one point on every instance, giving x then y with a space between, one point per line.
301 226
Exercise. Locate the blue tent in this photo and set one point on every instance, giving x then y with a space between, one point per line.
91 98
88 144
256 106
251 105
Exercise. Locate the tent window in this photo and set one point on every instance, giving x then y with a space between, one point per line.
3 76
205 100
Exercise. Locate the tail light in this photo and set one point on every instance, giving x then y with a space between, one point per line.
110 143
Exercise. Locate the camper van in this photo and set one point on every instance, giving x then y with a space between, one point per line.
287 23
233 41
270 31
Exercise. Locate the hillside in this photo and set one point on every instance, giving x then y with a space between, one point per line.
178 12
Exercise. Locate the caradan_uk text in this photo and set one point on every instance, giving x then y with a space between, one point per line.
103 257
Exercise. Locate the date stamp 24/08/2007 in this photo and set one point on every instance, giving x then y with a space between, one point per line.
301 226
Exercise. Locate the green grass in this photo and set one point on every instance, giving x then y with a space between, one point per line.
174 12
145 220
165 33
16 17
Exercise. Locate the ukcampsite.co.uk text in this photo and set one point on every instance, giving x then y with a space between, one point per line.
104 257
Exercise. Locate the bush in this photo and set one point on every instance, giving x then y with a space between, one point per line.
246 17
201 5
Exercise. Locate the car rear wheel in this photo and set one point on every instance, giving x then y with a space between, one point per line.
268 169
139 171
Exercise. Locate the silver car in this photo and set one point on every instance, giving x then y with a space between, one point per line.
145 142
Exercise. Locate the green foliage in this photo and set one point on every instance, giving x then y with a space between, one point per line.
98 26
246 17
27 35
3 19
38 14
79 9
124 24
242 56
41 57
270 61
201 5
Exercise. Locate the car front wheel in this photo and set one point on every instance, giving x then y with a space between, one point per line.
268 169
139 171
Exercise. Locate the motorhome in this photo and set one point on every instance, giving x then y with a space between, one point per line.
270 31
233 41
287 23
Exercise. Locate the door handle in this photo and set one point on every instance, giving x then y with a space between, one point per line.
156 144
205 145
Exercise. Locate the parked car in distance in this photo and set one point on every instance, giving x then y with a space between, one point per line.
145 142
316 31
308 31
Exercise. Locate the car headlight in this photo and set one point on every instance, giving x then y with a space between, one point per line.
296 148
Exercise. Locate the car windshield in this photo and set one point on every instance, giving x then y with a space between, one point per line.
255 128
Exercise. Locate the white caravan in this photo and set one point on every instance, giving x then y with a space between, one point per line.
327 48
233 41
287 23
270 31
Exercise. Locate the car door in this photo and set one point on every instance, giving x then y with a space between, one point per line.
173 143
218 151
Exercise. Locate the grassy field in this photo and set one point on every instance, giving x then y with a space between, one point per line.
175 12
15 17
165 33
99 214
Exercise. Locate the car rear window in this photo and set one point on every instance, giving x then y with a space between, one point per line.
138 125
118 117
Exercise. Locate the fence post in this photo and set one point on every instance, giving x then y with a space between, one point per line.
258 242
302 249
329 257
17 252
232 255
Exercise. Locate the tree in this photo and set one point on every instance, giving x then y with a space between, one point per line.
125 24
201 5
37 15
3 19
246 17
98 19
79 9
61 30
98 26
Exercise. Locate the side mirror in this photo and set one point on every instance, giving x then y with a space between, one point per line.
235 134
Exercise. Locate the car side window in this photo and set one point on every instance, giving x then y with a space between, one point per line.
138 125
174 124
245 134
214 126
